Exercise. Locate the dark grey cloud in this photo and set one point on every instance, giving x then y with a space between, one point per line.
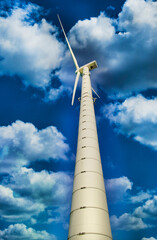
15 208
54 190
26 200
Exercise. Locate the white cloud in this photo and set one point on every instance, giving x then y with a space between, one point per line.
134 221
148 210
15 208
133 16
55 189
30 50
20 231
125 48
135 117
140 197
88 39
134 50
151 238
23 142
55 93
30 197
117 188
62 214
127 222
120 188
92 30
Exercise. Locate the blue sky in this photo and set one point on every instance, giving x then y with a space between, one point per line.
38 125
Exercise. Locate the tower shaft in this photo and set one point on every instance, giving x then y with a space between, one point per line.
89 218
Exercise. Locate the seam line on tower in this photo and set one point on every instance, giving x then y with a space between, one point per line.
83 188
84 207
77 161
94 130
87 121
96 149
84 233
80 147
84 158
87 115
87 172
80 139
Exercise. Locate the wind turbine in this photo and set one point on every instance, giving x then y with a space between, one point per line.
89 217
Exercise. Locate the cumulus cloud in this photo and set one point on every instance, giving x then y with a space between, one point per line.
141 196
90 31
148 210
120 188
88 39
134 49
54 190
132 16
22 142
125 48
135 117
15 208
60 215
28 48
117 188
127 222
55 93
26 200
20 231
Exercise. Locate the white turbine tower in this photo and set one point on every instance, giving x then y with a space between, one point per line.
89 217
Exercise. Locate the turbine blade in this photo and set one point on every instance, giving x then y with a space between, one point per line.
72 54
95 93
75 86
